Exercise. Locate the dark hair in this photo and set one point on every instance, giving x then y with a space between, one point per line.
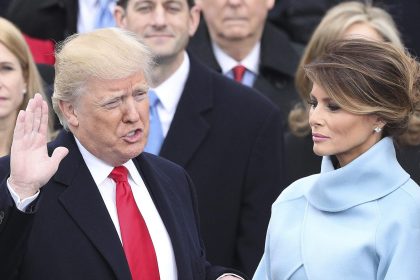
368 77
123 3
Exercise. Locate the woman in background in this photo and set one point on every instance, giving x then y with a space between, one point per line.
360 217
348 19
19 80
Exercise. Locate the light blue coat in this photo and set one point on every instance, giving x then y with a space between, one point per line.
358 222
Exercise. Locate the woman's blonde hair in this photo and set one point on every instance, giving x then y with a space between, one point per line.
332 27
13 40
371 78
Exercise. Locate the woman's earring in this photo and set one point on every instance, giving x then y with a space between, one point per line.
24 91
377 129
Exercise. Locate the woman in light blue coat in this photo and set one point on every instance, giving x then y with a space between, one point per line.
360 217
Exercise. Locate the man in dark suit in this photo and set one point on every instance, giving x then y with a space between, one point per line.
227 136
56 19
98 208
44 19
236 34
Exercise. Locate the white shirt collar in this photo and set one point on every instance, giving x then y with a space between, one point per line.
170 91
101 170
251 61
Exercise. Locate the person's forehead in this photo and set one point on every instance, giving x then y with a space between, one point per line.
5 52
136 80
159 1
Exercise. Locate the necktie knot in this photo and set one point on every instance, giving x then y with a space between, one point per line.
119 174
153 99
238 72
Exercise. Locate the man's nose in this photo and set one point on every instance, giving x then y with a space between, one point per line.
159 17
131 111
234 2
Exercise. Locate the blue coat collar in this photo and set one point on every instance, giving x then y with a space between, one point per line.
372 175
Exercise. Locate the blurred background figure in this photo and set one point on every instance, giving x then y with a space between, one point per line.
348 19
405 14
19 81
299 18
359 217
46 22
237 40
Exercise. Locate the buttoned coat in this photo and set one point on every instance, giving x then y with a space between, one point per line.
361 221
44 19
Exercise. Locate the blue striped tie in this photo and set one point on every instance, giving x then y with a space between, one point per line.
155 139
104 18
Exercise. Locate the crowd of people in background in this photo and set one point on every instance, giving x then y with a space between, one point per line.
265 104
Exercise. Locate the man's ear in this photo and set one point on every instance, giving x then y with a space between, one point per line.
270 4
119 16
69 113
194 19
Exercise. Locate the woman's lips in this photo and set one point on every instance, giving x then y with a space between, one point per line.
317 137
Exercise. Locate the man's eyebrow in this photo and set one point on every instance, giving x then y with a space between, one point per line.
141 87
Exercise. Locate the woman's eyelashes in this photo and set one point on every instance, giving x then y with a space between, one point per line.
332 106
313 103
6 68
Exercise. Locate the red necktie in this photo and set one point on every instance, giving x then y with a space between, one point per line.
138 246
238 72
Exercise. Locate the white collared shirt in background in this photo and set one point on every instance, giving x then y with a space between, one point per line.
251 63
169 93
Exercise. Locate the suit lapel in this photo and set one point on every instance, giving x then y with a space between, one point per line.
167 203
84 204
189 126
200 44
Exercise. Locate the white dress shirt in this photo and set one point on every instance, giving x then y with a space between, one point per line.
107 187
169 93
251 63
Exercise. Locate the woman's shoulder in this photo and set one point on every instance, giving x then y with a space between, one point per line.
402 205
297 190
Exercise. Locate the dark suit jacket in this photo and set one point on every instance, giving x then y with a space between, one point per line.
44 19
405 14
301 161
229 139
278 63
299 18
72 236
409 158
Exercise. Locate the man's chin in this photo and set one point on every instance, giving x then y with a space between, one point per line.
235 35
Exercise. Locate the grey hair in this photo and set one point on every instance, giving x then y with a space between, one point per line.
108 54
